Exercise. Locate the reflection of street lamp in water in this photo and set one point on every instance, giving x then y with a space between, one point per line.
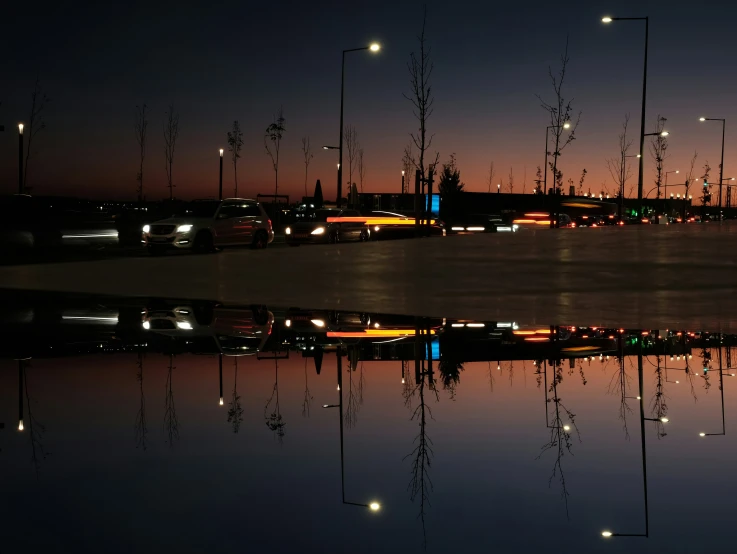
721 391
607 533
373 506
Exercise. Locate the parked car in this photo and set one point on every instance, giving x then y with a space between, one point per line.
28 224
207 225
327 226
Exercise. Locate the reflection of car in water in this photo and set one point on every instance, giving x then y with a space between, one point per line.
237 331
327 226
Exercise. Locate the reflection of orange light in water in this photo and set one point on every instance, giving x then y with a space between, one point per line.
531 221
536 339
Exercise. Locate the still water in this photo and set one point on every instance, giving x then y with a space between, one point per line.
152 425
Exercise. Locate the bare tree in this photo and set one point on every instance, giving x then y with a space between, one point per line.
307 402
420 484
35 428
618 167
361 168
171 421
490 178
658 149
272 412
141 127
618 384
307 152
235 409
539 181
510 184
171 132
235 143
581 180
420 68
352 146
272 143
408 165
706 191
560 112
689 179
141 427
36 124
562 425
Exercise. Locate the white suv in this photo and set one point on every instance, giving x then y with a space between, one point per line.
207 225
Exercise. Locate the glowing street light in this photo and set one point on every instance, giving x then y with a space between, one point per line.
220 182
20 158
374 47
20 425
606 19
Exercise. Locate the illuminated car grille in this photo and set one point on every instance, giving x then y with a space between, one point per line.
162 229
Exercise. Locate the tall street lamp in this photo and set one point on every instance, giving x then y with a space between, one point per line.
220 185
403 181
721 165
644 96
721 390
20 158
373 48
373 506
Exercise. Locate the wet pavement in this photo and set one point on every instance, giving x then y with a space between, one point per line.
639 276
147 424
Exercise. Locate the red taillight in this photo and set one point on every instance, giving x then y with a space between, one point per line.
269 225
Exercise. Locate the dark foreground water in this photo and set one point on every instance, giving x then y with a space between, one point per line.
177 426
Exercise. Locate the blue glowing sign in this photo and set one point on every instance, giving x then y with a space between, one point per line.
433 204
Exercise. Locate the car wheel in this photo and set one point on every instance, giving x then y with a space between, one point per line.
364 236
203 243
156 250
260 240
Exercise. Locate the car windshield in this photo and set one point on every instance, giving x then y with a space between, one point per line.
198 208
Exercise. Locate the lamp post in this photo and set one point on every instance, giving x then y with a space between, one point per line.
644 97
499 188
373 48
403 181
566 125
220 185
220 372
721 165
373 506
623 172
20 158
660 134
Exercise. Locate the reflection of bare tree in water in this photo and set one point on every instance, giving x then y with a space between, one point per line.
562 424
491 378
171 422
355 394
141 427
420 485
308 397
618 384
235 410
450 375
36 430
658 405
690 376
272 412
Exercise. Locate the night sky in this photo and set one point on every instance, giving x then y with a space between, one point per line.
221 61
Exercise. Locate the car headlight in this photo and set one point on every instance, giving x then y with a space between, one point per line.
147 228
288 231
184 229
184 325
318 231
146 325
